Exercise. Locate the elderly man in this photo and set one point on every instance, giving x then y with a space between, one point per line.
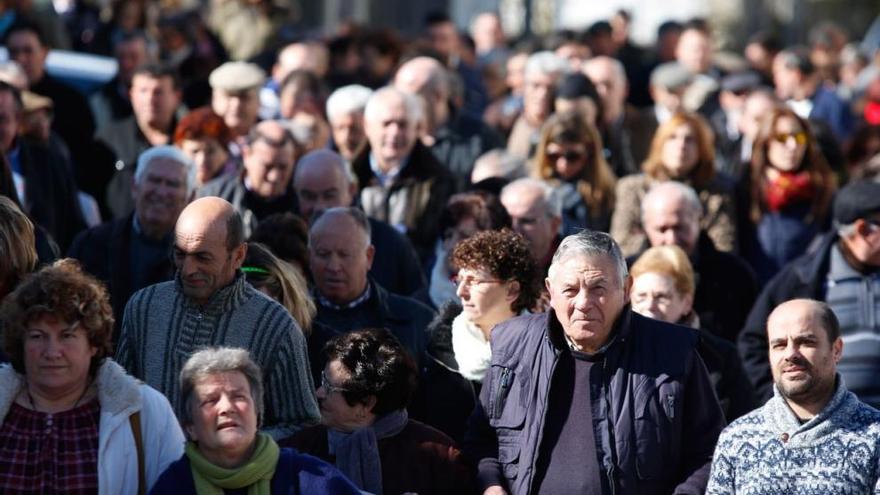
235 95
726 284
536 214
400 180
456 139
542 71
131 253
211 304
345 114
842 271
813 436
264 185
322 181
340 256
591 397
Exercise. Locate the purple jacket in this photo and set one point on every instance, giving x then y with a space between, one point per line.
655 427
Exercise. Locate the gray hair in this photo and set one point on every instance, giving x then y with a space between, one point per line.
552 202
667 190
591 243
499 163
212 361
616 66
347 99
545 62
356 214
170 153
377 101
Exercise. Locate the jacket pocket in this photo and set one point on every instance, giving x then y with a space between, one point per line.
507 417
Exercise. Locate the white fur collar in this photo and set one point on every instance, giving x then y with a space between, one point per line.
472 351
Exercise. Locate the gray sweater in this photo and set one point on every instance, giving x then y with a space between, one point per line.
161 328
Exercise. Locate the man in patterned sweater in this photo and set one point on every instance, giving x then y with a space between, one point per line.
209 303
813 436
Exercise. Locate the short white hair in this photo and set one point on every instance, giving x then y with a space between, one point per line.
166 152
590 243
347 99
376 101
552 202
669 189
546 62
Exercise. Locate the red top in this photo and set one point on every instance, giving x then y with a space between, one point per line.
42 453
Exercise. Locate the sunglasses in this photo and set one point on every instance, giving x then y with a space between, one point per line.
783 137
570 156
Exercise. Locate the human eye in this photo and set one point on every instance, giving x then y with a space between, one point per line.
33 335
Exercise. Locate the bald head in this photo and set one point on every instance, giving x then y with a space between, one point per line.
609 77
321 181
671 214
340 254
806 310
426 77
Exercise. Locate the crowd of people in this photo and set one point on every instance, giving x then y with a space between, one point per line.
262 262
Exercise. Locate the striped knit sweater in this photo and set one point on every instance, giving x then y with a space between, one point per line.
769 452
161 328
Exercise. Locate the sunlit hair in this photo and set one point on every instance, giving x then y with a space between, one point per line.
18 253
704 170
597 180
282 281
669 261
822 177
213 361
590 243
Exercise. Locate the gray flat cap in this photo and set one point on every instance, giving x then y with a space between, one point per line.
671 76
237 76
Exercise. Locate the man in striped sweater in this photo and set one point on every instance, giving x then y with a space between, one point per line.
209 303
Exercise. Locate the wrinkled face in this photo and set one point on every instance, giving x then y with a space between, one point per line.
609 85
339 258
654 295
568 159
803 361
485 300
224 416
672 223
268 167
57 355
161 194
679 153
320 189
336 413
239 110
24 47
787 145
531 220
201 257
348 134
208 155
587 296
391 133
9 118
538 97
154 100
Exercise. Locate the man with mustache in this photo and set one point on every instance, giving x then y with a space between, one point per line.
209 303
813 436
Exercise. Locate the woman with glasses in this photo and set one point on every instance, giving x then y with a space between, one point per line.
71 420
682 149
497 279
787 196
569 157
366 431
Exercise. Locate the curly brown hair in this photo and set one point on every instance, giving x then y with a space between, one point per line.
62 290
504 254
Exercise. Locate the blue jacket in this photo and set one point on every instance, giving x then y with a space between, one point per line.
656 422
295 474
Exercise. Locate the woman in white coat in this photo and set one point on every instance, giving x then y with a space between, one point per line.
71 420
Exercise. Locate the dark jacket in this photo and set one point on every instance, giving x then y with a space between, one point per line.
803 277
460 142
251 208
295 474
405 318
419 459
735 392
657 437
576 214
396 265
444 399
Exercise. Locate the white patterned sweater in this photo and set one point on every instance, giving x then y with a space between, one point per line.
769 452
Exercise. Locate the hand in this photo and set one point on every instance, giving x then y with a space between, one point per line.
495 490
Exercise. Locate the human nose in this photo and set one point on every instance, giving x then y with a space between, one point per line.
52 348
461 290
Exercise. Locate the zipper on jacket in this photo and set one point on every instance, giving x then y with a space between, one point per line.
505 383
612 447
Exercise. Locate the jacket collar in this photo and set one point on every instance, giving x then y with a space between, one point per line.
224 300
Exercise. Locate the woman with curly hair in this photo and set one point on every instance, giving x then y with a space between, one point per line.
71 419
682 150
497 279
789 191
570 159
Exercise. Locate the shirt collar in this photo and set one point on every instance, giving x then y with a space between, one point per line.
386 178
364 297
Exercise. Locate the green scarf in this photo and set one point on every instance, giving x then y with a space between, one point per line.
256 474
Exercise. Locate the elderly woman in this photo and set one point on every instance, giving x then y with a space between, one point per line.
72 420
282 282
663 289
204 137
682 150
365 388
222 392
497 279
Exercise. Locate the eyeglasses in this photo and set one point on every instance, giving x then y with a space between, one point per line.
470 281
570 156
783 137
329 387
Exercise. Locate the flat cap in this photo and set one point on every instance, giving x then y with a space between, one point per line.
857 200
741 82
237 76
671 75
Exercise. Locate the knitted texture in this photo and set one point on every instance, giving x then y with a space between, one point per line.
161 329
769 452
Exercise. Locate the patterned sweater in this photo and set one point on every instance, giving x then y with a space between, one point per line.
769 452
161 328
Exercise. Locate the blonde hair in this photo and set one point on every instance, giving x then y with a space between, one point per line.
670 261
283 282
18 252
704 170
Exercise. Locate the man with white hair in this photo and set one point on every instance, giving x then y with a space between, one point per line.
542 71
345 112
536 214
400 180
130 253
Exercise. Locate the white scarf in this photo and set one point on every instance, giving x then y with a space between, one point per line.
472 352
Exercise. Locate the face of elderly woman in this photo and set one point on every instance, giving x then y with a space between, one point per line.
485 300
208 156
224 417
57 355
336 413
654 295
679 153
